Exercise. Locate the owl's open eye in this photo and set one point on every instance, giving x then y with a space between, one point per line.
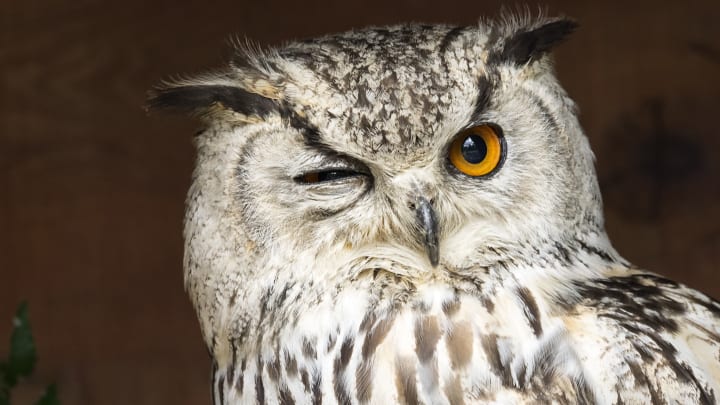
325 176
478 151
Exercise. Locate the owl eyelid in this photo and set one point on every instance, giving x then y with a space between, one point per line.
328 175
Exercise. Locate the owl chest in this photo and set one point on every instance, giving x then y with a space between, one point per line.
439 349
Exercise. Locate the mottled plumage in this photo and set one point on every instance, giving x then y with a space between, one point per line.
335 255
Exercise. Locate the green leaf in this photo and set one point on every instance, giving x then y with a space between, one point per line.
21 361
3 378
4 385
50 397
4 393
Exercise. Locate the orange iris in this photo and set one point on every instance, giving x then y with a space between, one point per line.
477 151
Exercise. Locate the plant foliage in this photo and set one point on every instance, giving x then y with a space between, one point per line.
21 360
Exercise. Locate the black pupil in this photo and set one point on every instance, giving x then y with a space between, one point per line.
474 149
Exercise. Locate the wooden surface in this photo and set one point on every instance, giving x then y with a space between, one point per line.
91 189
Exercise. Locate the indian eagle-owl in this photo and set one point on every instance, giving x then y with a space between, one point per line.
410 214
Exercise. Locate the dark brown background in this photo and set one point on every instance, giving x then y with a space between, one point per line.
91 189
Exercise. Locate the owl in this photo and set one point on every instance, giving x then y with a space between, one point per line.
410 214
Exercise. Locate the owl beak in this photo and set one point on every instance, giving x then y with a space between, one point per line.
428 225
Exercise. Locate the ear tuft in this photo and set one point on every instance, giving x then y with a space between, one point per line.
199 98
525 46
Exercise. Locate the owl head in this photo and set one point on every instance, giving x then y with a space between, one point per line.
427 153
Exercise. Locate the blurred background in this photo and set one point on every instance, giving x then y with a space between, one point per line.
92 189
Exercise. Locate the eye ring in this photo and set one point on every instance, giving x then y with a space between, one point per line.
478 151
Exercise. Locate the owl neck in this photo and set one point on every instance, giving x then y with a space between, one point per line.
284 295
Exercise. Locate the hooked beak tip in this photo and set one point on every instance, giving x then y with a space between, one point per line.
434 260
428 225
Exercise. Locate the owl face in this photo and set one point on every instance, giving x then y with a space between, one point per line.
421 151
